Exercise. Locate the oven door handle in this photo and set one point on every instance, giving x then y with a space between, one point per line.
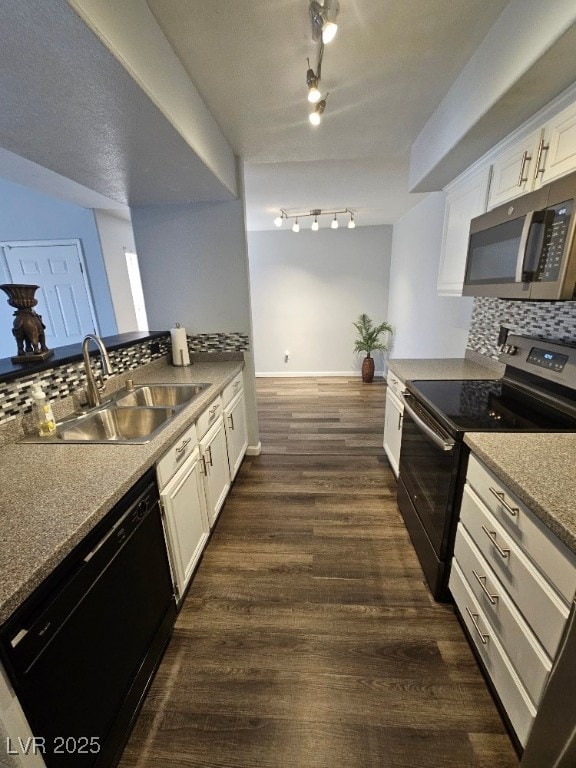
438 440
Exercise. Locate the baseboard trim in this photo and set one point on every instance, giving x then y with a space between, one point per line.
254 450
319 374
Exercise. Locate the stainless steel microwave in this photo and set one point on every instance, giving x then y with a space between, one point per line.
526 249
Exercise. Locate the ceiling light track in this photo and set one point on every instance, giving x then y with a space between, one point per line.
315 213
323 15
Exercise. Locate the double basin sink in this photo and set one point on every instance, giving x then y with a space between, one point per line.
130 416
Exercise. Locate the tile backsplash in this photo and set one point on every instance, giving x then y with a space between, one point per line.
64 380
552 320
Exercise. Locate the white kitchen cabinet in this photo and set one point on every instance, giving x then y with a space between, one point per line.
513 582
236 432
215 471
185 520
465 198
393 421
557 155
513 171
545 154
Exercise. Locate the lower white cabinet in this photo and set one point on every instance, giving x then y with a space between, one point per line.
236 432
185 520
215 472
393 421
513 583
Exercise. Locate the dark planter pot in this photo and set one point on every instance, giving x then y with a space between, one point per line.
368 370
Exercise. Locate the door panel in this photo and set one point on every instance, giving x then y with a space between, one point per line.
63 299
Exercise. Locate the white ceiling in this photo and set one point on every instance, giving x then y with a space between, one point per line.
388 68
71 107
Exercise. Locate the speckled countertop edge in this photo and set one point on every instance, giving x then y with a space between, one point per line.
443 368
539 469
53 495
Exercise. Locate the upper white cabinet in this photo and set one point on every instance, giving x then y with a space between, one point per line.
513 171
558 148
544 155
465 199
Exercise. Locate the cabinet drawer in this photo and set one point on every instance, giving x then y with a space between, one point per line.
175 457
395 384
523 649
553 558
514 697
209 417
539 604
231 390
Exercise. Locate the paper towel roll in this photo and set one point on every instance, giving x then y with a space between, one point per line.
180 354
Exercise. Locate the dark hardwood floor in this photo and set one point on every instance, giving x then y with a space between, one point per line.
308 638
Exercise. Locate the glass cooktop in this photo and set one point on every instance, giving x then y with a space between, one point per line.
486 405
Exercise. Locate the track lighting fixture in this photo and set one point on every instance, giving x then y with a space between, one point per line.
315 213
279 219
316 116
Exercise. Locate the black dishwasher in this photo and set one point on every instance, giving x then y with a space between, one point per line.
84 647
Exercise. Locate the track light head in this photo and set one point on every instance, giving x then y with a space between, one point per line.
334 224
278 220
312 79
323 17
316 116
296 226
315 224
351 223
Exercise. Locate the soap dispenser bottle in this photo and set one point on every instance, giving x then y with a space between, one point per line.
46 422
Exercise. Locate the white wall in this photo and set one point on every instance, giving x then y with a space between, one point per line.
427 325
116 237
308 288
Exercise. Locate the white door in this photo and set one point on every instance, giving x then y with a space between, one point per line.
63 299
236 432
393 430
217 477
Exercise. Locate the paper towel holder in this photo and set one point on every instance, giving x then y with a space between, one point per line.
180 356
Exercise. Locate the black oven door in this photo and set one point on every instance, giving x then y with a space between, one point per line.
428 490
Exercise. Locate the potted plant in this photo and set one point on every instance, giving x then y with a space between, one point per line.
368 341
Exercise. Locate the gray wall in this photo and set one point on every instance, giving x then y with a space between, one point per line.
194 265
29 215
427 325
308 288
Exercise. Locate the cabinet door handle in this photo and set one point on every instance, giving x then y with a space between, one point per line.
474 619
400 417
542 147
203 467
183 446
231 420
525 158
209 452
482 581
492 536
502 499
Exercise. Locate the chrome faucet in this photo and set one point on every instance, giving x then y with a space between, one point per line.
95 385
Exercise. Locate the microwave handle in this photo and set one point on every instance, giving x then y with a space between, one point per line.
520 261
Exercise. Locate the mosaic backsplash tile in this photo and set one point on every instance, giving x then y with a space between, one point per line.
552 320
65 380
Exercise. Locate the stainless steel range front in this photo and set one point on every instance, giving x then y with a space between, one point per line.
536 394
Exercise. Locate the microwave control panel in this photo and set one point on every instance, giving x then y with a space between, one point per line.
555 224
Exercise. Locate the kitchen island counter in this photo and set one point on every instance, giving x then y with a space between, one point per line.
539 469
53 495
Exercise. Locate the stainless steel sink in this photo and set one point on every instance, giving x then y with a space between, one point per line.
111 424
165 395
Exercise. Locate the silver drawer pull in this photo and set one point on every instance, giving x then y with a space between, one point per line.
492 536
209 452
183 446
203 467
231 420
236 384
474 619
482 581
502 499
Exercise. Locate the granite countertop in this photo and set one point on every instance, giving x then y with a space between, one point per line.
539 469
444 368
53 495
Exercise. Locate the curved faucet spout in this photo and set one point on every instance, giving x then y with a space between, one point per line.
95 387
